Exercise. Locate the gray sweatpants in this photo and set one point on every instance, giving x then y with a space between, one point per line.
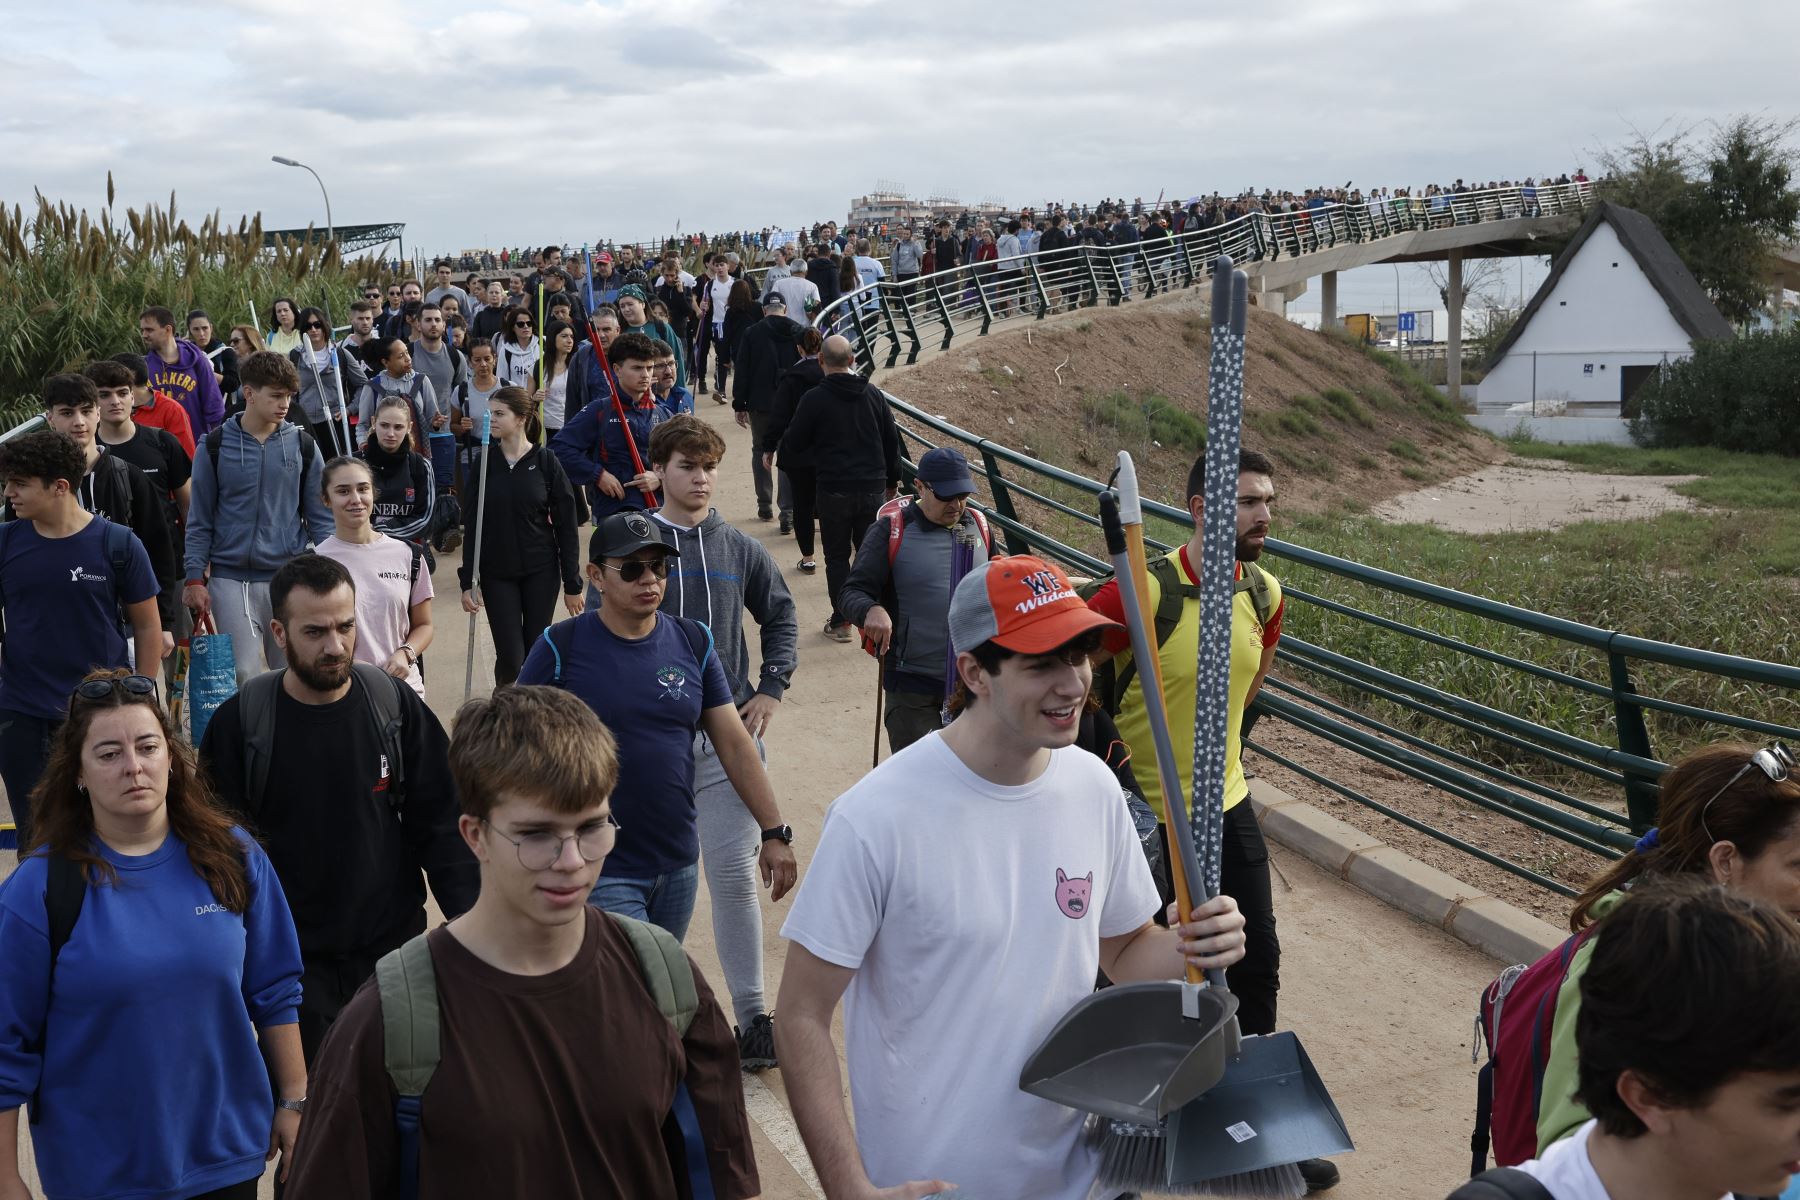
242 610
729 844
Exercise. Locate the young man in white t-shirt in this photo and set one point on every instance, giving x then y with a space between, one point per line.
1689 1053
963 897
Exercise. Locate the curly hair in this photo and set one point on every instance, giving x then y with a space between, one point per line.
45 455
63 818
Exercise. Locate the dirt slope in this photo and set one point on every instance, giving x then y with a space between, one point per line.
1344 428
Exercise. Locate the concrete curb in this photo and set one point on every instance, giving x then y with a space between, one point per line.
1460 909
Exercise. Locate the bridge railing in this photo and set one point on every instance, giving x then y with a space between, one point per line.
970 300
1592 794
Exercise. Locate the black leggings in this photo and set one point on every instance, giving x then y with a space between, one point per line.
518 612
237 1191
804 487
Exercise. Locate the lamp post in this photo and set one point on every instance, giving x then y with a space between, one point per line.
1399 341
330 231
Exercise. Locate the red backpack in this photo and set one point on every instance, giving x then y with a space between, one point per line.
1515 1019
894 512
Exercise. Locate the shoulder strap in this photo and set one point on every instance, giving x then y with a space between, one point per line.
667 972
118 540
381 692
215 438
894 512
256 711
557 649
65 890
699 637
411 1045
412 575
1172 591
5 532
1255 580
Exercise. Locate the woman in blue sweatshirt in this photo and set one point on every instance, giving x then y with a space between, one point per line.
136 1044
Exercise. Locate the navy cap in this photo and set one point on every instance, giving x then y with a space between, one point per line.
624 534
947 472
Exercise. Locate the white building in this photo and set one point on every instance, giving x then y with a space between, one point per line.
1617 304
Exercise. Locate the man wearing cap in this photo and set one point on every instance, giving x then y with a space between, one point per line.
845 427
965 894
899 590
606 280
765 350
656 681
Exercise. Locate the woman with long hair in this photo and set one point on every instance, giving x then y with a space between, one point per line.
1730 814
393 584
552 394
529 543
136 1041
327 371
405 486
742 310
391 373
244 341
802 472
284 326
519 349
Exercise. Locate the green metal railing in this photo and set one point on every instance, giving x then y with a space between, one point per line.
1628 768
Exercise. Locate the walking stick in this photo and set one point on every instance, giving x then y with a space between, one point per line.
880 695
487 420
637 460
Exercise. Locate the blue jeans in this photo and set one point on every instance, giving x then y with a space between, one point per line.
666 899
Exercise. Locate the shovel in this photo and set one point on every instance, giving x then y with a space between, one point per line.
1136 1052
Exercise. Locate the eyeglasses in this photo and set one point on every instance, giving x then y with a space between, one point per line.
540 850
101 689
313 325
237 339
521 324
634 569
1776 761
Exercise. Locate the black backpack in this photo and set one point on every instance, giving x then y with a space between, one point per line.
118 553
65 891
1502 1183
256 710
308 448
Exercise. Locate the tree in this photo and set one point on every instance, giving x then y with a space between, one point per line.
1724 204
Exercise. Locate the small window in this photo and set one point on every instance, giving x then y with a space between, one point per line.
1615 266
1562 304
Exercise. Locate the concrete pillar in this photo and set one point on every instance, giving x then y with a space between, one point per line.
1328 313
1453 347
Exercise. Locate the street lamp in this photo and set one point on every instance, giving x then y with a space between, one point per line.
330 231
1398 339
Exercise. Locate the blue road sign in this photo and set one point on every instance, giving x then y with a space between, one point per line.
1409 322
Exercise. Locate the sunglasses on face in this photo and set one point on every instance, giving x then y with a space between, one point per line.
313 325
101 689
521 324
634 569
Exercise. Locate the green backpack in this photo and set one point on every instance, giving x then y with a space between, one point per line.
1173 590
409 1019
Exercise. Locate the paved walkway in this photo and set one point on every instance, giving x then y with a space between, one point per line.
1384 1003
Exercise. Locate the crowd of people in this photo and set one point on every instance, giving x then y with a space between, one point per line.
963 895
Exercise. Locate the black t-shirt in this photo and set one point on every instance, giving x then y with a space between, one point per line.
160 457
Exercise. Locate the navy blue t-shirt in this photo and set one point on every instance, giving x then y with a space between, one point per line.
62 613
650 693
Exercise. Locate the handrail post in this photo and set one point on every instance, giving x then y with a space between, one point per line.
891 331
1087 260
1118 278
987 302
865 353
1641 795
1149 271
1037 284
1187 256
1003 503
943 307
906 292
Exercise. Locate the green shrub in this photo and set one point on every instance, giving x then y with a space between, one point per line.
1345 407
1298 423
1401 448
1742 394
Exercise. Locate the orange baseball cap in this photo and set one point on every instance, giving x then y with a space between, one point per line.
1021 603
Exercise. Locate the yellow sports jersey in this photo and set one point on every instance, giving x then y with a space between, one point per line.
1248 638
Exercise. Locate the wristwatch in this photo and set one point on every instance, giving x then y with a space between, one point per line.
783 833
298 1106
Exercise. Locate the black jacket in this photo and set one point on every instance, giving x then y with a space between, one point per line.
737 321
946 253
530 520
848 430
822 273
766 349
796 381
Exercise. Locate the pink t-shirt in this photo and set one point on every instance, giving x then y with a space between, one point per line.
385 594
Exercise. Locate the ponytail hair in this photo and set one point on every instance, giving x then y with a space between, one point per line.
518 402
1751 812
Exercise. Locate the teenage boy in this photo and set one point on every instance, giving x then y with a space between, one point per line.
1691 1072
349 830
594 445
966 893
153 408
715 293
533 1095
153 451
657 682
256 503
719 573
224 358
65 578
180 369
115 489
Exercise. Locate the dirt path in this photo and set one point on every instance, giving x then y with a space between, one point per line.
1382 1001
1524 494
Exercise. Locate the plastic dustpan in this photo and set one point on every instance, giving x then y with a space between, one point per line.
1269 1108
1136 1052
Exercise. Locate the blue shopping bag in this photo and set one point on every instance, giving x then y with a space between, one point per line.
212 675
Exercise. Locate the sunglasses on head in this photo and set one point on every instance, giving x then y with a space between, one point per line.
633 569
1776 761
102 689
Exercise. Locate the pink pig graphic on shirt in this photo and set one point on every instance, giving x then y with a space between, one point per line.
1072 895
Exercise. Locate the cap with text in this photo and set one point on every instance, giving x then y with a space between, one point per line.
1021 603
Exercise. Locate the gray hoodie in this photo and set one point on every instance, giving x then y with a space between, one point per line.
721 572
262 506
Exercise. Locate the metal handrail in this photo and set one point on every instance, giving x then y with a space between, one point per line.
962 298
1012 478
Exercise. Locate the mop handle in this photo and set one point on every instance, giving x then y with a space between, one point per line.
612 379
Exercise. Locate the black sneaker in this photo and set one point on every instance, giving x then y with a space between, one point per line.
765 514
756 1045
450 541
787 520
1320 1174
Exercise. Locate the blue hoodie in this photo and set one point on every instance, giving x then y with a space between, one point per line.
151 1082
593 440
261 508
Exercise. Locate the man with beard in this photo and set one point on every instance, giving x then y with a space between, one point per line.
343 774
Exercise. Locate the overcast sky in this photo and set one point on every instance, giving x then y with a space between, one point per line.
524 121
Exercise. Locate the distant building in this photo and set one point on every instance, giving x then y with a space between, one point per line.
1617 304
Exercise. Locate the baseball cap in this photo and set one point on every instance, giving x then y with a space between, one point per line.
947 471
774 300
624 534
603 256
1021 603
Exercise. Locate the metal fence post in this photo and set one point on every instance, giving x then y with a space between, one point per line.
1149 271
892 332
1003 504
1641 794
1037 283
865 353
937 296
1087 260
987 302
1118 279
906 292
